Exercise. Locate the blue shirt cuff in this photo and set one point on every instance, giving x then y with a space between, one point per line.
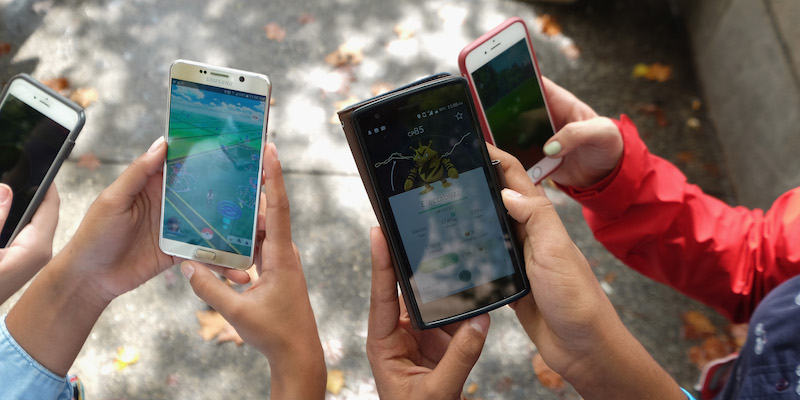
22 377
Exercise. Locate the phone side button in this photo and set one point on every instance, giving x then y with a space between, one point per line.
205 254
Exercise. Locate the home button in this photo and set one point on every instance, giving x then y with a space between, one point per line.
536 172
205 255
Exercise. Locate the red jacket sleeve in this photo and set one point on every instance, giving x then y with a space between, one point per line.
648 216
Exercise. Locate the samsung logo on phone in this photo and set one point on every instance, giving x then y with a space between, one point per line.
217 81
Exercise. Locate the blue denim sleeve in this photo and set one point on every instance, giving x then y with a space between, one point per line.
22 378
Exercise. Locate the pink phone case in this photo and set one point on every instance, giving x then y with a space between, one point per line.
463 68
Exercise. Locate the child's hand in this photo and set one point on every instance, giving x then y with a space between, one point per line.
274 315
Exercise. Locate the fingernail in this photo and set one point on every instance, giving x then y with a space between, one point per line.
552 148
5 193
156 145
274 150
187 270
510 193
477 327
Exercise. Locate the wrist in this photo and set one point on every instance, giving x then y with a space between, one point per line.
298 373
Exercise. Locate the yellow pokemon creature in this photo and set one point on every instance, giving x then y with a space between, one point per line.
430 167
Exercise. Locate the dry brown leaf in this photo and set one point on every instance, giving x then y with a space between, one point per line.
125 356
472 388
5 48
84 96
89 161
696 104
548 25
275 32
380 87
711 349
229 334
686 157
656 112
549 378
346 54
404 31
610 277
59 84
696 325
306 18
335 381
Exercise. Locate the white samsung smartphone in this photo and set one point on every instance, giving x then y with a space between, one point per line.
506 86
38 128
216 133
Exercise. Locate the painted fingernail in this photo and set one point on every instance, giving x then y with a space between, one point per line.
187 270
5 193
511 193
156 145
552 148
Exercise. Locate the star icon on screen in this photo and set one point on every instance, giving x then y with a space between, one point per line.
459 116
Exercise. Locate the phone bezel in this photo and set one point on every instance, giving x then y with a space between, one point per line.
254 83
485 49
444 310
58 109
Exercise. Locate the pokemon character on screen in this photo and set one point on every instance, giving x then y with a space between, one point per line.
429 166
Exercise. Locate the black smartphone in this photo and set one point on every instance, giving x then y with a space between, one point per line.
38 128
439 203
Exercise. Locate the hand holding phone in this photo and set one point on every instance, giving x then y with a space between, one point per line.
38 128
507 88
216 132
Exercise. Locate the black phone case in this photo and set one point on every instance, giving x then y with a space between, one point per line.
350 131
63 153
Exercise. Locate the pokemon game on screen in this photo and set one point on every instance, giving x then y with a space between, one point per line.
213 161
427 161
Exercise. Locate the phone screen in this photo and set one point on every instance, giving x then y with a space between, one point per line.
512 100
424 150
212 168
29 143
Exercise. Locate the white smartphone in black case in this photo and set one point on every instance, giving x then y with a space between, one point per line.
216 133
38 128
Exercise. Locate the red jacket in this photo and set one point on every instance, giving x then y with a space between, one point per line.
648 216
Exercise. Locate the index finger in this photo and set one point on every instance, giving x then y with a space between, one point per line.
277 243
513 171
384 307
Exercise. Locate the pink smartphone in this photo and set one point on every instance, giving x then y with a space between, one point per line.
509 95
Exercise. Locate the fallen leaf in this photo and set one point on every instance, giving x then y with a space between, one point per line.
5 48
229 334
696 104
404 31
610 277
549 378
711 349
84 97
347 54
696 325
125 357
693 123
59 84
472 388
548 25
335 381
89 161
656 112
687 157
306 18
275 32
571 51
380 87
654 72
